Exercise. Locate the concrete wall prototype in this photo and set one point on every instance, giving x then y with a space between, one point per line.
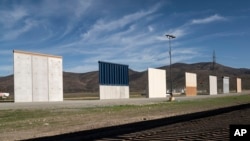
191 84
156 83
225 84
37 77
114 92
213 85
113 81
239 89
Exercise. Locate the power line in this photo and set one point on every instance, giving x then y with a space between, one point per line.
214 61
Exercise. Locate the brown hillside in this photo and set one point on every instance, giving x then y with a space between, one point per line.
88 82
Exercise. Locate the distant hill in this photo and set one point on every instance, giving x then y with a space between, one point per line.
203 70
88 82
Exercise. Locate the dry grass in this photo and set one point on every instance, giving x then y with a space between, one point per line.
29 123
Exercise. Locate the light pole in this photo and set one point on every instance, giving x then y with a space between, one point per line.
171 98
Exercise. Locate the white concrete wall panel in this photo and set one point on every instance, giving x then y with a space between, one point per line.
213 85
55 79
124 92
191 84
225 84
22 78
40 78
113 92
239 88
156 83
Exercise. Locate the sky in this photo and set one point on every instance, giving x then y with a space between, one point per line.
129 32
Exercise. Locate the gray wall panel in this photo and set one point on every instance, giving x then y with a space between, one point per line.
55 79
22 78
226 85
40 78
212 85
114 92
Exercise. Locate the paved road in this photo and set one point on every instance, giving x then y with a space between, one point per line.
98 103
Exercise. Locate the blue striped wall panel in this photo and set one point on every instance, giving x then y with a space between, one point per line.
113 74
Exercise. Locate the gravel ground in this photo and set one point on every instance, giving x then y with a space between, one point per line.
100 103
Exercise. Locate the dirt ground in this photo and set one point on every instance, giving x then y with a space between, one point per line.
46 119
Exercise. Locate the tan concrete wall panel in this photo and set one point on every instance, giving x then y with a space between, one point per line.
239 89
191 84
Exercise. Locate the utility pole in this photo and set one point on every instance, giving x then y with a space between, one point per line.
170 67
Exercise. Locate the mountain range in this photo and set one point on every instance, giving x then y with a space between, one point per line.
88 82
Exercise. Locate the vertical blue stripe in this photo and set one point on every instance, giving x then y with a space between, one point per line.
122 75
113 74
125 75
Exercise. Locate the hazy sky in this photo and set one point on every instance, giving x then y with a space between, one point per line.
126 31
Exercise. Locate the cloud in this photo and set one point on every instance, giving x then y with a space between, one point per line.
135 38
13 34
186 54
209 19
184 29
107 26
178 32
119 34
55 17
11 17
128 40
56 8
150 28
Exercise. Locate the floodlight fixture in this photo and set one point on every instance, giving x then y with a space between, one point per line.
170 36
